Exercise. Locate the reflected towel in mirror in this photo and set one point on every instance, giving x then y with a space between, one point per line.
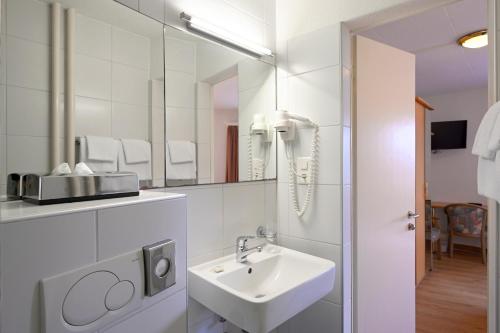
142 169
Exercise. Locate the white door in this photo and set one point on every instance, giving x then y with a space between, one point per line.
384 263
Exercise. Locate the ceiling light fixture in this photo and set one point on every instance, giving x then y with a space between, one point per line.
474 40
213 32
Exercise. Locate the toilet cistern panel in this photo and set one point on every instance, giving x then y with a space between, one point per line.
87 299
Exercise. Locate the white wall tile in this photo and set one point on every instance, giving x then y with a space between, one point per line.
205 220
204 158
3 109
270 205
253 74
203 125
322 250
317 95
24 104
320 317
329 170
180 55
3 57
283 208
158 151
29 19
92 117
157 125
168 315
3 15
323 219
92 37
256 8
243 210
3 159
179 124
28 64
256 100
153 8
129 85
314 50
92 77
134 4
203 95
179 89
69 243
27 154
206 256
130 121
130 49
129 228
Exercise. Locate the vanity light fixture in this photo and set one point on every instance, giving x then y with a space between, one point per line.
213 32
474 40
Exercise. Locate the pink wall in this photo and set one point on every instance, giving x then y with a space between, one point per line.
221 119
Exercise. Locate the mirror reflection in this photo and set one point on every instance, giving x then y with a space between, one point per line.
219 108
126 93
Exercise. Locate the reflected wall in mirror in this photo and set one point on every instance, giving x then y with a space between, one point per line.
219 110
118 77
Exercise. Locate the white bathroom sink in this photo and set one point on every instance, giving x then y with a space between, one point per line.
262 293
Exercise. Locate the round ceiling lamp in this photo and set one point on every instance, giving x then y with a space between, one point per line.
474 40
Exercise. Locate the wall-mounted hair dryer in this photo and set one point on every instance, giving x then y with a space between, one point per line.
259 128
303 169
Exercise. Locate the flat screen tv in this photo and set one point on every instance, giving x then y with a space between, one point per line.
449 135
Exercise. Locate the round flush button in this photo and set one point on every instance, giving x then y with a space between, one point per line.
162 267
119 295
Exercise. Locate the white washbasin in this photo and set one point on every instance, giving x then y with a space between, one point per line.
262 293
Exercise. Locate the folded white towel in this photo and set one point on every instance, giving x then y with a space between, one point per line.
181 151
101 148
488 180
136 151
143 170
97 166
487 141
179 171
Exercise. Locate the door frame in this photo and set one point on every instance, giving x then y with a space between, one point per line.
349 30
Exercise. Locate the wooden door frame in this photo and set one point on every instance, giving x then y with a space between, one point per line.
349 30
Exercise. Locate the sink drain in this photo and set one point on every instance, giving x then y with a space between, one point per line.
260 295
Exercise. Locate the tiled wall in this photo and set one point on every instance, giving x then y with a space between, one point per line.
112 73
310 84
315 78
217 214
257 95
251 19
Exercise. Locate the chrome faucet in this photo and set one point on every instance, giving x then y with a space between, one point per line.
242 251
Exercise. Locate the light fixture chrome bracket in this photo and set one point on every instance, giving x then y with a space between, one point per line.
219 35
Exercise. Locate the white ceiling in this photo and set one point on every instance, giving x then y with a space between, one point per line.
442 66
225 94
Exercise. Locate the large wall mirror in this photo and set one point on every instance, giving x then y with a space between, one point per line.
172 107
219 106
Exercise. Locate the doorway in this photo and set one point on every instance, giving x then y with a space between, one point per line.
454 82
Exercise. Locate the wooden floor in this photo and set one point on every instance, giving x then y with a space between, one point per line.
453 297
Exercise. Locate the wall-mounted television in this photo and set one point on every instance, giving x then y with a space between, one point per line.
449 135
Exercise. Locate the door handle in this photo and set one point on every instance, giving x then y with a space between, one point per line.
412 215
